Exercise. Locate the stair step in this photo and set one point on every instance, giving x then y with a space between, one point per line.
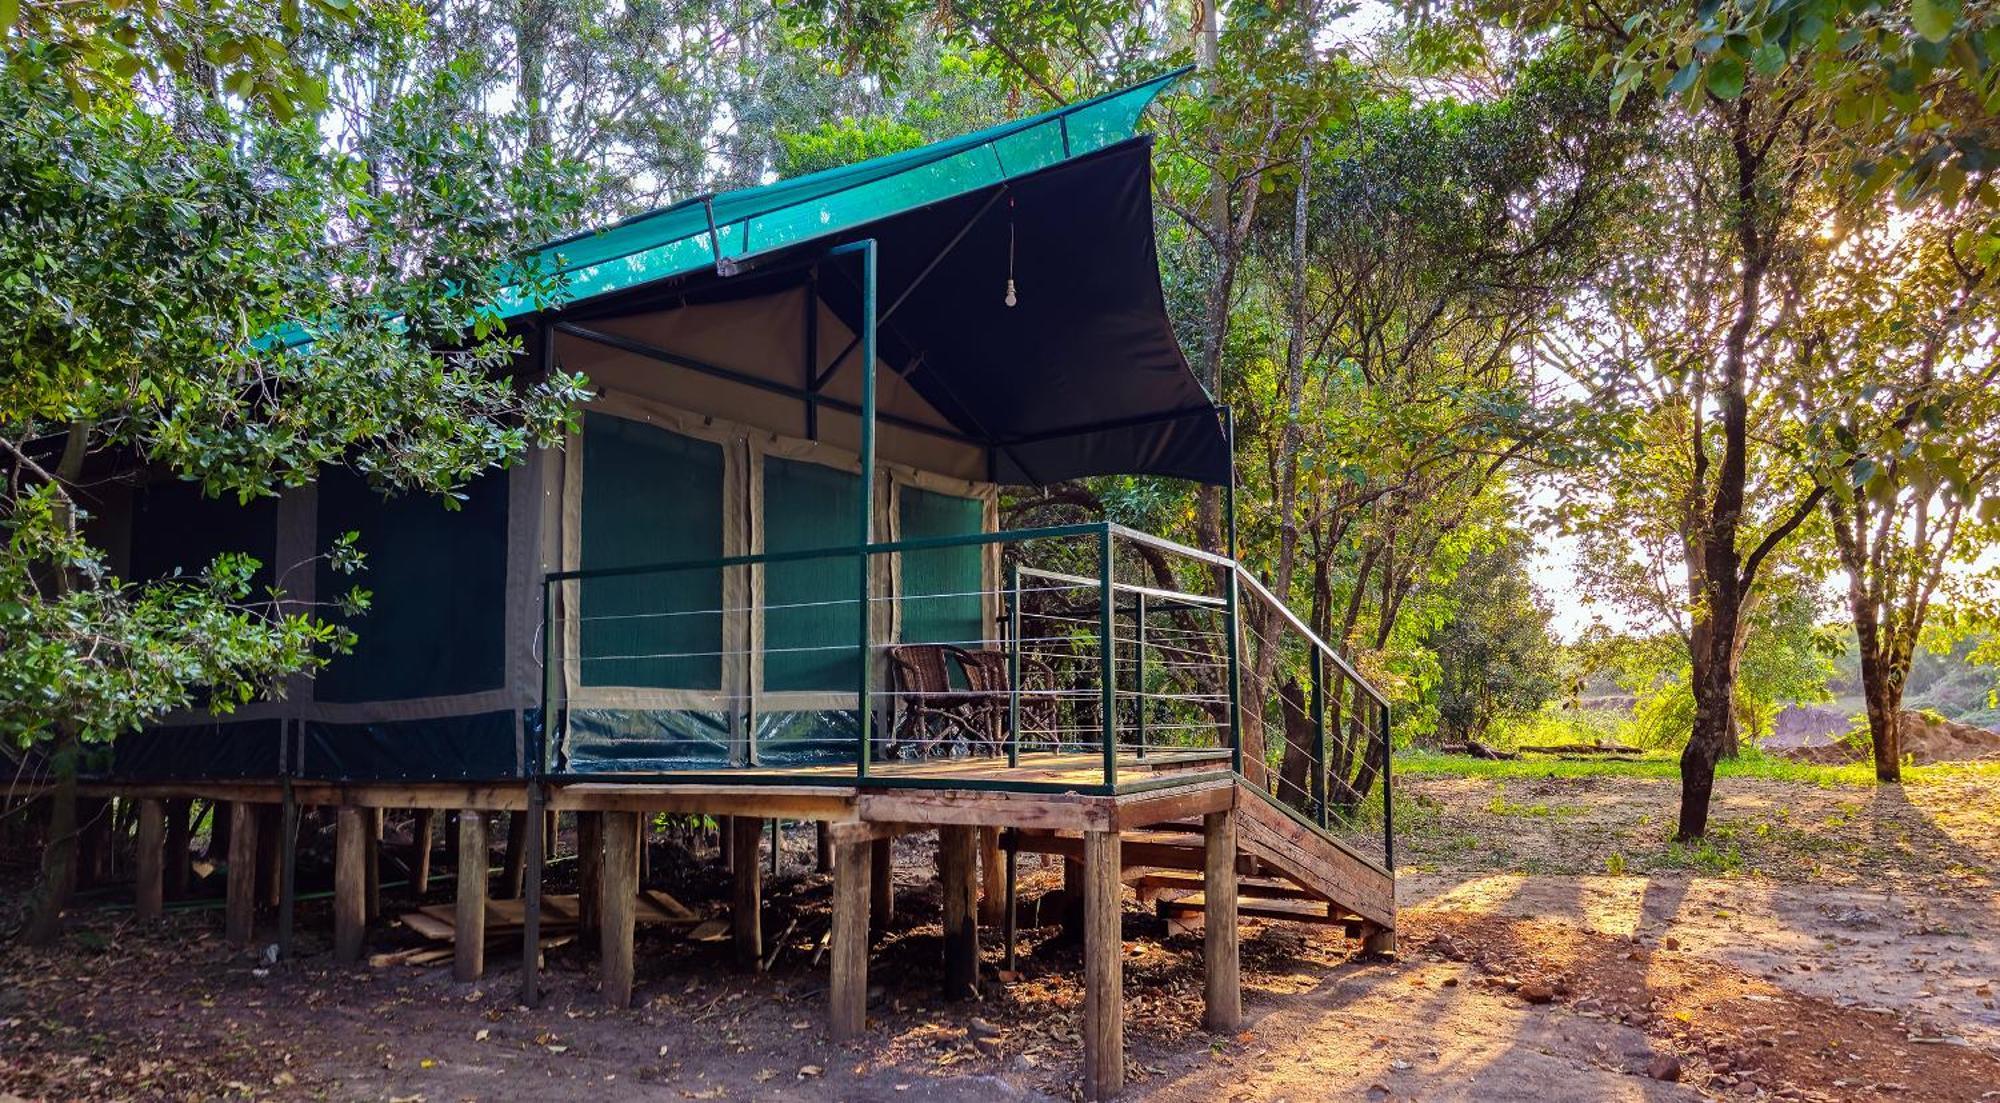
1290 911
1132 852
1261 888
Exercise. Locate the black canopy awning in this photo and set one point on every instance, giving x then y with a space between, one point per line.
1081 376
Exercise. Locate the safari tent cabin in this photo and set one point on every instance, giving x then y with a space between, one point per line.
1007 285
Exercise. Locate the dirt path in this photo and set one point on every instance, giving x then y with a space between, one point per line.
1808 966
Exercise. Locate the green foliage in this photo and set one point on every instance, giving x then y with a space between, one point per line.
236 300
99 48
1913 87
1497 662
108 656
843 143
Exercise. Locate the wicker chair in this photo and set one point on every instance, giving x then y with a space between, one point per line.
931 710
986 672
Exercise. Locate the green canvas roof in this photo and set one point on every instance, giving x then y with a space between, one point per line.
705 230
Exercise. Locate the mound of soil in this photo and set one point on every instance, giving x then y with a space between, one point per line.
1805 726
1925 740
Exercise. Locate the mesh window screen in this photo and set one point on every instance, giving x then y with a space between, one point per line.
810 622
650 496
439 580
940 600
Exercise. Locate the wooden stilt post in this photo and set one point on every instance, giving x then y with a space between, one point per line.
420 850
991 878
469 922
270 852
1073 907
218 830
350 883
589 871
645 855
241 913
777 845
1222 989
149 892
619 886
822 847
747 905
371 838
517 850
288 868
1011 906
881 883
531 899
1377 939
958 856
847 993
179 835
1103 969
93 826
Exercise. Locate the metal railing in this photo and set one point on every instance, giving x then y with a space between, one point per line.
1322 727
1092 658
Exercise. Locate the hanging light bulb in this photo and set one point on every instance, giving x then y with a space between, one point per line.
1011 298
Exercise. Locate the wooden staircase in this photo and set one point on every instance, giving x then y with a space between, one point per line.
1289 869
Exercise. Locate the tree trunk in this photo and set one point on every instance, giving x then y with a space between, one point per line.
1713 681
531 48
59 858
1881 683
1884 697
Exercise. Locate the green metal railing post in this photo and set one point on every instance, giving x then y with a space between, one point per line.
1319 785
1234 674
1107 659
1014 665
867 520
1139 672
551 674
1388 803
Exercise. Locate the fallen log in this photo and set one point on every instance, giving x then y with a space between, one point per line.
1475 749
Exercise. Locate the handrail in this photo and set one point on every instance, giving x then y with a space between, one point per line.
1311 637
1322 652
1194 600
1165 544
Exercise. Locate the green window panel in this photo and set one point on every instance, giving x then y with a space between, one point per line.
650 496
940 600
438 578
810 620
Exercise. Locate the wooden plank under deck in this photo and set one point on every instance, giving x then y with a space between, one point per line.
1177 783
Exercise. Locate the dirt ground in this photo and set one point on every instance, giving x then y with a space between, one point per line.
1833 943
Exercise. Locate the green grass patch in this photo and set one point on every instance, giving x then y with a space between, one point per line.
1501 806
1665 766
